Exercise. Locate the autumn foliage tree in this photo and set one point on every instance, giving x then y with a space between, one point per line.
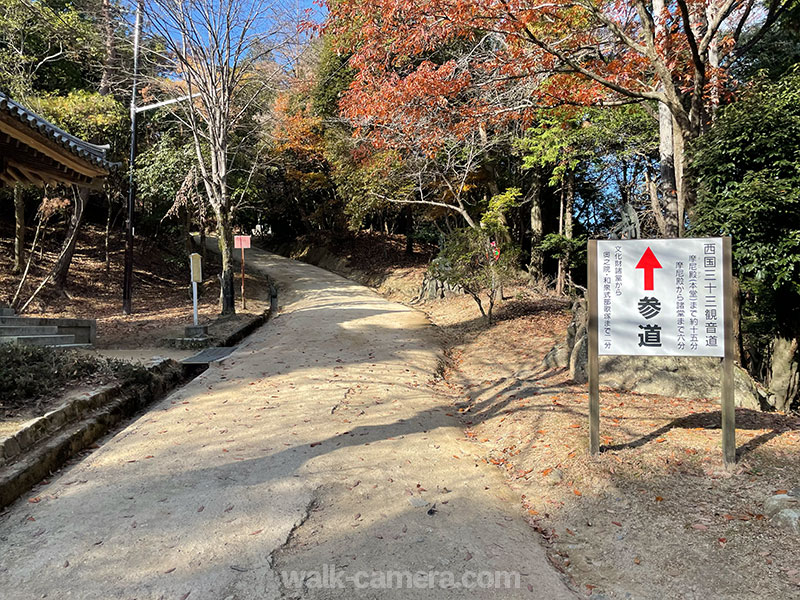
452 67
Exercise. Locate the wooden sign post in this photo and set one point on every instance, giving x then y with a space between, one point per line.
242 241
661 298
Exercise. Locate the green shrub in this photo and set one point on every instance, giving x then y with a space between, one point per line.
471 259
27 373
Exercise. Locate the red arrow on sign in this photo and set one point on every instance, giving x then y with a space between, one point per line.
649 263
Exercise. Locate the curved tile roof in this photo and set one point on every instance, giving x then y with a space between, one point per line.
91 153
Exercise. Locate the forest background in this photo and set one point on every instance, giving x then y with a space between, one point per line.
505 133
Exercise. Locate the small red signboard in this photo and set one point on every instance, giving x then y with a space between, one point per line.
241 241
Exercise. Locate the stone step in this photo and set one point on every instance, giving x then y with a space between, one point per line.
28 330
39 340
76 346
5 311
15 320
84 330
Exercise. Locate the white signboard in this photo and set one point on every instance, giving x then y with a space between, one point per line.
660 297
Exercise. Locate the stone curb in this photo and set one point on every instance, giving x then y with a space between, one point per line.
44 444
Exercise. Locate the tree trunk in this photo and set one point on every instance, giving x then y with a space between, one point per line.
409 231
107 236
225 242
666 151
61 269
668 184
108 60
203 249
681 188
784 373
568 200
186 227
536 264
738 350
19 229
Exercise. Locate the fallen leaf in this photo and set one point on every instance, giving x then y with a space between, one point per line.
257 531
169 570
699 527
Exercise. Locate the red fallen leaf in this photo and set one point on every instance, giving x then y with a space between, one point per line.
729 517
547 472
315 444
149 456
617 523
454 456
35 500
224 449
722 540
257 531
575 426
533 512
661 440
659 499
169 570
776 492
569 531
577 492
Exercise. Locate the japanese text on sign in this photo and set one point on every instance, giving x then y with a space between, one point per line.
660 297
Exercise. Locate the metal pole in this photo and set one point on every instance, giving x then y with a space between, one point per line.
194 301
243 301
728 409
127 283
594 362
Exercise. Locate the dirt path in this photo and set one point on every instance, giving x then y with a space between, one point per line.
321 446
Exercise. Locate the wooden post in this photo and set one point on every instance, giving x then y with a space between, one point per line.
727 400
244 304
594 363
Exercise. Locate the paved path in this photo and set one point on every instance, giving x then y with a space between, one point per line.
319 449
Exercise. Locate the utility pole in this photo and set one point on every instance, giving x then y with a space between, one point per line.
127 284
